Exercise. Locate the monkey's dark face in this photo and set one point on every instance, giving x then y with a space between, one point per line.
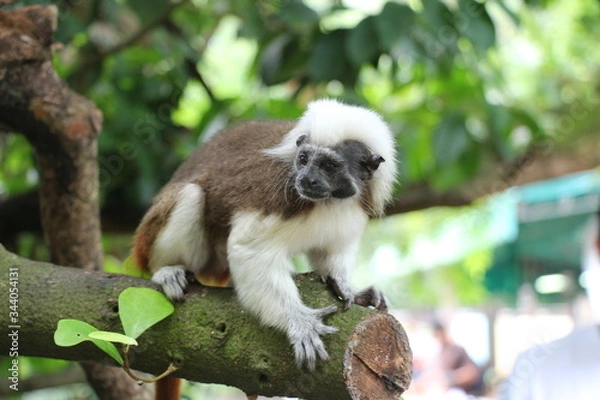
333 172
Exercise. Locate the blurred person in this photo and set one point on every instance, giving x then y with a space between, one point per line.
567 368
451 374
460 370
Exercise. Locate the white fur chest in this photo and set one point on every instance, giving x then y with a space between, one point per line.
332 226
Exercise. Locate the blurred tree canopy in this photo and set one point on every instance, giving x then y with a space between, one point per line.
475 90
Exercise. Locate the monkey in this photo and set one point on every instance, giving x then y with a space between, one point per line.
260 192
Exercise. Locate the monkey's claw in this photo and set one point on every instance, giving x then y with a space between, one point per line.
371 297
366 298
326 311
342 292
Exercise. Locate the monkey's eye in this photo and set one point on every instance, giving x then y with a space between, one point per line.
303 159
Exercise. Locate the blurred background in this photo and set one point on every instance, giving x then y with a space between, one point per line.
495 108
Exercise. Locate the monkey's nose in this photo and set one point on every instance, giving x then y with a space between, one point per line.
313 188
307 181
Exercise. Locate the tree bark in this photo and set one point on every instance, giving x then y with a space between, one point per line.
62 126
210 338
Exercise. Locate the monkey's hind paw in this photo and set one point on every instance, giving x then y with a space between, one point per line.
172 280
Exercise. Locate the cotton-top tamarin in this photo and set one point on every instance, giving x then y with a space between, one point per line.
261 192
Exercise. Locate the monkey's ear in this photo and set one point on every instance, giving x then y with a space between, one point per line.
373 162
301 140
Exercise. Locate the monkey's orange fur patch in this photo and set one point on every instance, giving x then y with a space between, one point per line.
141 250
210 277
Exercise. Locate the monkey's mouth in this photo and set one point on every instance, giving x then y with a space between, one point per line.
313 194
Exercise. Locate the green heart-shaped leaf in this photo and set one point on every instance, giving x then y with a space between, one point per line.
113 337
70 332
140 308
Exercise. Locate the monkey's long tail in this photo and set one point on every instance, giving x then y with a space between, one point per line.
168 388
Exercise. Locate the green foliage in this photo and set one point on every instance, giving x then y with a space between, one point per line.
394 24
477 25
328 59
361 43
17 174
139 309
450 139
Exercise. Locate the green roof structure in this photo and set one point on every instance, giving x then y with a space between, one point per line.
551 217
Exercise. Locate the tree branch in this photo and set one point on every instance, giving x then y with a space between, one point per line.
419 197
543 162
209 337
98 58
191 64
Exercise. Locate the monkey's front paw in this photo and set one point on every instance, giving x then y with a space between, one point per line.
172 280
371 297
305 336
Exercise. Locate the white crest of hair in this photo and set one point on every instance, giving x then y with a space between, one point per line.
328 122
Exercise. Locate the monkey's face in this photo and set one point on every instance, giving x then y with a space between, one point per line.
332 172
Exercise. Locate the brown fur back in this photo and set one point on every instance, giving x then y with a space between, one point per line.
234 174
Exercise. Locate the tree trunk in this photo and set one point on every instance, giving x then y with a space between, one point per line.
62 126
210 338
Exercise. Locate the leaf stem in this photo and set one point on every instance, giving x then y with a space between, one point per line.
170 369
